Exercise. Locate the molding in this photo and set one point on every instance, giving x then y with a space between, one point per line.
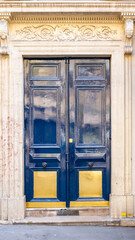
66 18
67 6
66 33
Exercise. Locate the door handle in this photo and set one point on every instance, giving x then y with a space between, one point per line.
90 164
44 164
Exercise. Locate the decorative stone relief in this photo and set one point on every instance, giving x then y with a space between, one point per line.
3 29
4 33
129 30
66 33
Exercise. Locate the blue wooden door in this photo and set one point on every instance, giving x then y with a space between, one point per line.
90 131
67 132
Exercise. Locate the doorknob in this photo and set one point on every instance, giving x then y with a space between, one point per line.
44 164
90 164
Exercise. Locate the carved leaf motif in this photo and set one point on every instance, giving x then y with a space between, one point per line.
66 33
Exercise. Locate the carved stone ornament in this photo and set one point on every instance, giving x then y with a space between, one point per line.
65 33
3 37
129 28
3 29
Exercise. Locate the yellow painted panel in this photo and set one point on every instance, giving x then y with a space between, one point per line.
45 204
123 214
90 184
63 204
45 184
89 204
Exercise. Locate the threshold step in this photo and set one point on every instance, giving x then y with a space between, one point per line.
74 221
71 221
50 212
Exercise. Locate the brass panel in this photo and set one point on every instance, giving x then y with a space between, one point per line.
45 184
90 184
45 204
89 204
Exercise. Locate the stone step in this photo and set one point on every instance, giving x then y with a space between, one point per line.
74 221
71 221
51 212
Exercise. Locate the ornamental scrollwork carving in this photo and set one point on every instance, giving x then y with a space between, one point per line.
3 29
66 33
3 37
129 31
129 28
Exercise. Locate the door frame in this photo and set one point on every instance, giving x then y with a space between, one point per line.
114 50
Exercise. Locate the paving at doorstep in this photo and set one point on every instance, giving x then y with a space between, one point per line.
42 232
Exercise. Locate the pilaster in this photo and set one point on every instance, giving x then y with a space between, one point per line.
122 205
11 200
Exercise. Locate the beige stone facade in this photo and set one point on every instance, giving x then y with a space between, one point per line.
67 28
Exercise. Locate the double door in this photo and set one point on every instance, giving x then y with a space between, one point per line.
67 132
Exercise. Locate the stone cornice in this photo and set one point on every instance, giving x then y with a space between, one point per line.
67 6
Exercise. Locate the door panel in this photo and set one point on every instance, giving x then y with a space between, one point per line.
67 132
90 131
45 131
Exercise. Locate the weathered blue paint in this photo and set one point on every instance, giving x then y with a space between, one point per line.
59 104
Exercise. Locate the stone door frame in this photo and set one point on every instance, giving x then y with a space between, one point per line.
17 46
